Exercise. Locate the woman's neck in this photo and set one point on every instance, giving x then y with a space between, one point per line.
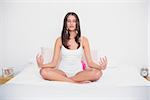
72 34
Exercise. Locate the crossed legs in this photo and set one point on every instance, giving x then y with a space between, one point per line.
53 74
87 75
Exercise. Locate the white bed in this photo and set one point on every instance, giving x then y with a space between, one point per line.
117 83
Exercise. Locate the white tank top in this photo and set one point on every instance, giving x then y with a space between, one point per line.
71 60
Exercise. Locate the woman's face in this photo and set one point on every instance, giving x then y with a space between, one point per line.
71 23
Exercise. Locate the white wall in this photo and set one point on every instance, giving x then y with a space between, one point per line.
117 29
1 34
148 33
0 42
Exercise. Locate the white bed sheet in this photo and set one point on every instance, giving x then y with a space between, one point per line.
112 76
116 84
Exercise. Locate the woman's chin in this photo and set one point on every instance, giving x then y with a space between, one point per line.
71 29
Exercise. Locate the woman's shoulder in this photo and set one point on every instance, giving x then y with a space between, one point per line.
58 40
84 38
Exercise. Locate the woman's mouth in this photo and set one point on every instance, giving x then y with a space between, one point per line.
71 26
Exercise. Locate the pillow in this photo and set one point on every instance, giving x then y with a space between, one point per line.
47 54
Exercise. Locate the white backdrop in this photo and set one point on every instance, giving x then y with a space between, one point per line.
1 34
117 29
149 32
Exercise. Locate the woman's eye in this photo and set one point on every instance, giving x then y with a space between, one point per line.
68 21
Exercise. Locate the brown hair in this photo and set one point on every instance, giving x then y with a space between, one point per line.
65 35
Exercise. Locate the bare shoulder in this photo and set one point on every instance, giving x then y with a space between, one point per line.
84 40
58 40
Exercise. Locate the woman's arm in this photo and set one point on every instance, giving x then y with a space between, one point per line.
55 58
103 61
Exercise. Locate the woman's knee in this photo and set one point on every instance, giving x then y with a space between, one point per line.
44 72
96 74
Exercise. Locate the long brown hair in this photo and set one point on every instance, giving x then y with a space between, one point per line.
65 35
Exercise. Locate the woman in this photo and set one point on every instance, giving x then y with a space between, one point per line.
71 46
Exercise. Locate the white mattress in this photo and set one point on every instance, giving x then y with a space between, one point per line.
116 84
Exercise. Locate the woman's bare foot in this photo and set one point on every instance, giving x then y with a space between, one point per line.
83 82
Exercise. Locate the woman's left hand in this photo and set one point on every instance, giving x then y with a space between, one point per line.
103 62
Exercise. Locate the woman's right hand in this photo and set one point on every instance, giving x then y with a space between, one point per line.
103 62
40 60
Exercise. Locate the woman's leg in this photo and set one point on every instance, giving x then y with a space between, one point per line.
53 74
87 75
